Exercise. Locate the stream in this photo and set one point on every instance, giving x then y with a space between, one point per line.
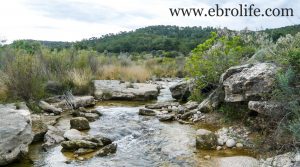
142 140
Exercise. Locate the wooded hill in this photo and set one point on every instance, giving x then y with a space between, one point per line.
152 38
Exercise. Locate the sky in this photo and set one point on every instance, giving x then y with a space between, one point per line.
73 20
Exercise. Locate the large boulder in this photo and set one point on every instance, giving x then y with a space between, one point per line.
248 82
182 90
15 133
205 139
79 123
268 108
117 90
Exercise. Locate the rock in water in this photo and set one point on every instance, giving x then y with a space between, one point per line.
91 116
53 136
79 123
76 144
146 112
165 118
116 90
15 134
205 139
109 149
73 134
76 102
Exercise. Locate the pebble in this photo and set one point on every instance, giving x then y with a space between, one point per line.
80 158
220 142
230 143
219 148
239 145
207 157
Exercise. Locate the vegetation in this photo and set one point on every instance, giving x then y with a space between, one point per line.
26 74
156 39
30 69
225 49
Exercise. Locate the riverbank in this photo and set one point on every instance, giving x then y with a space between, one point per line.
150 140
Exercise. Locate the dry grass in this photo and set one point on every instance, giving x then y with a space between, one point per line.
135 73
80 77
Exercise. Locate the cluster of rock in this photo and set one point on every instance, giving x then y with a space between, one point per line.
170 111
56 105
232 137
81 144
290 159
90 115
248 83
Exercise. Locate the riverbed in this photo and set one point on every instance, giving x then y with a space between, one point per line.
141 140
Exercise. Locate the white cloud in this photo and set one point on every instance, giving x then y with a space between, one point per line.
71 20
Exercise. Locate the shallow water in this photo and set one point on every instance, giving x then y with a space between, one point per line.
142 140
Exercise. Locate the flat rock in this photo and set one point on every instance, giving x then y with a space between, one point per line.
162 105
49 108
73 134
77 144
166 118
236 161
76 102
116 90
267 108
146 112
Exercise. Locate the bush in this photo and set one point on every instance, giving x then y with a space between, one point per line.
79 81
211 58
24 78
286 93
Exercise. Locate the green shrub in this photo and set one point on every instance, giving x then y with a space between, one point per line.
211 58
233 111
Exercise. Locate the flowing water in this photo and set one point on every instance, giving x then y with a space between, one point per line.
142 140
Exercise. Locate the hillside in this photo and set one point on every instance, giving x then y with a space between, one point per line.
154 38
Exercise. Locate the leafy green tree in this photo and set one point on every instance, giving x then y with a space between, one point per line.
30 47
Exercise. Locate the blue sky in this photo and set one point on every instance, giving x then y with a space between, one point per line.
71 20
